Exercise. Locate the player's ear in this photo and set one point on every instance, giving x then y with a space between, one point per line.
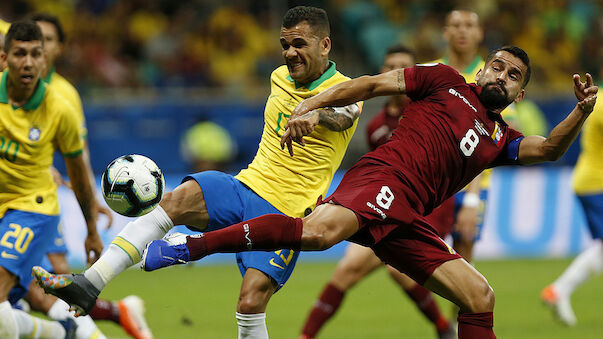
520 96
477 75
325 45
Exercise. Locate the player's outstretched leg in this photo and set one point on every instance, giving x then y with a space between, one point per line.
328 225
74 289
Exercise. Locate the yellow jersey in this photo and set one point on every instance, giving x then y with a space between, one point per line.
509 113
64 88
29 136
588 173
293 184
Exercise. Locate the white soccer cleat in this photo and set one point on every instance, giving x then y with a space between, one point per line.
561 305
131 317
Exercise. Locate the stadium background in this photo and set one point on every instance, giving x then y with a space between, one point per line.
149 70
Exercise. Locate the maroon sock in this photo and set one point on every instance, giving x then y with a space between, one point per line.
425 302
476 325
265 233
105 310
323 310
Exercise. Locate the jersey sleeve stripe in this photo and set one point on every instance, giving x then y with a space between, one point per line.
73 154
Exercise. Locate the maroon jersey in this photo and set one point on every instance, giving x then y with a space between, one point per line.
446 137
381 127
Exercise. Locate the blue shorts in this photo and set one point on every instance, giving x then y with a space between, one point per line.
228 202
458 203
56 247
593 210
24 238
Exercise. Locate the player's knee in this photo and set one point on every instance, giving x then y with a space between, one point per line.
482 298
254 300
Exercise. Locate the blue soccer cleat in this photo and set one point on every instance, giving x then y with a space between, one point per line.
165 252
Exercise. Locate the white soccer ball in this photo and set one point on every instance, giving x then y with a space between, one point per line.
132 185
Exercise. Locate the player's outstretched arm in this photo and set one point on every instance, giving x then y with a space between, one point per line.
534 149
82 187
342 94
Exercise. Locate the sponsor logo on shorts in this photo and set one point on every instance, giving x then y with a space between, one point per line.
8 255
275 264
246 229
376 209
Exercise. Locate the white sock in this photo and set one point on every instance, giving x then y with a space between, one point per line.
126 248
252 326
86 328
590 261
8 324
36 328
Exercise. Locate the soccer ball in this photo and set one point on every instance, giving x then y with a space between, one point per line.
132 185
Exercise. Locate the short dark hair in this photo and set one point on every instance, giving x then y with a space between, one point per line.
316 17
519 53
398 48
22 31
47 17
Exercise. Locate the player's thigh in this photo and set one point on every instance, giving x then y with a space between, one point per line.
358 262
459 282
58 261
24 238
185 205
328 225
7 281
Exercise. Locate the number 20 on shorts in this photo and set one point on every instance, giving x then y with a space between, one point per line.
18 237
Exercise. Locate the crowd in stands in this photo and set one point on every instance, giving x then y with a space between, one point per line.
233 45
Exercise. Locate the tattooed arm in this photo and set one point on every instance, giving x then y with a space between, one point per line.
342 94
338 118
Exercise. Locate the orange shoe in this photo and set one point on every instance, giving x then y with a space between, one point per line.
131 317
561 306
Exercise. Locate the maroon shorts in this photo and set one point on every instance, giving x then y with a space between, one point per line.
442 217
388 220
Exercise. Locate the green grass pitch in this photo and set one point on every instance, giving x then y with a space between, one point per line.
199 302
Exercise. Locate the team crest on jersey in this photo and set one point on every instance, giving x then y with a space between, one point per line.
34 134
497 134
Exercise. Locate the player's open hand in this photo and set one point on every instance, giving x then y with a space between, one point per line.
297 127
586 93
94 246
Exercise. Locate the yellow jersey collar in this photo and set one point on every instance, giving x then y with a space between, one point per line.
470 68
33 102
326 75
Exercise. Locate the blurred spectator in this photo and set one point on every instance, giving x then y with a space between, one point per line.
207 146
224 45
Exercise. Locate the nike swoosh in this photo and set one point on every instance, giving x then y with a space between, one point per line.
275 264
8 255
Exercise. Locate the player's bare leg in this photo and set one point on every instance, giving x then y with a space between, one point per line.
357 263
256 290
459 282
